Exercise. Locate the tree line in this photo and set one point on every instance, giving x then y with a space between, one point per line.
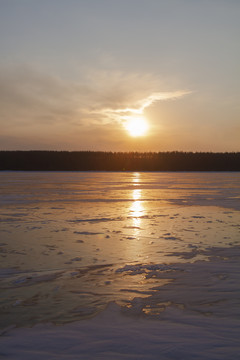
118 161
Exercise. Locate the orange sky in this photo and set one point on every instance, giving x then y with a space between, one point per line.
74 74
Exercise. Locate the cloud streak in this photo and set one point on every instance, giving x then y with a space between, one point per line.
139 106
28 96
36 105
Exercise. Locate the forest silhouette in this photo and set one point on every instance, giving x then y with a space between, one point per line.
118 161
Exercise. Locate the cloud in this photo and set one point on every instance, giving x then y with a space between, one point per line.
29 97
118 95
37 105
139 106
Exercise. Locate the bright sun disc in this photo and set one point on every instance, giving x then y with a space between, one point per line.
136 126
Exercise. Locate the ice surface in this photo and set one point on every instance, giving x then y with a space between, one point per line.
161 248
114 335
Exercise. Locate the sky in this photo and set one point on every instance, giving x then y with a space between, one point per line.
120 75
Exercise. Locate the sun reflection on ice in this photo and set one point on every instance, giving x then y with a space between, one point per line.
137 208
136 179
136 212
137 194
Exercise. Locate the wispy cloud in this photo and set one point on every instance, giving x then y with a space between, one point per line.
28 96
140 105
35 105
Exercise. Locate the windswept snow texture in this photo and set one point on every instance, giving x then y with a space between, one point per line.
149 262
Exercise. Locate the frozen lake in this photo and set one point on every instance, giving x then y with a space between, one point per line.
72 243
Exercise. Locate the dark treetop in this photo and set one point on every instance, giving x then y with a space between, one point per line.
118 161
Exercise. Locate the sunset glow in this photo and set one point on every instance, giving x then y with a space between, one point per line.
153 89
137 126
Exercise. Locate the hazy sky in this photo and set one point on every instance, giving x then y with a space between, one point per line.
73 73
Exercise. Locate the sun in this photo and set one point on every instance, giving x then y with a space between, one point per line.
136 126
